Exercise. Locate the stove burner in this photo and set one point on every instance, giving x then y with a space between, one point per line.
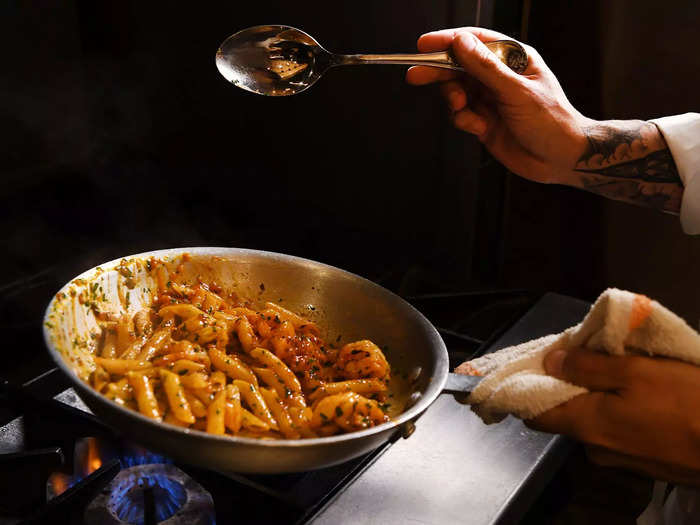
157 493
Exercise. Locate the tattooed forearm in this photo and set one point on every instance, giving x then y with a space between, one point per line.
630 161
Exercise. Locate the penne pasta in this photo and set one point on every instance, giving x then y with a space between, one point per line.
234 415
120 390
252 397
191 355
134 348
121 366
154 344
251 422
124 333
272 380
301 417
175 393
199 409
359 386
185 366
280 413
194 381
218 380
215 414
232 366
182 310
145 397
283 372
109 341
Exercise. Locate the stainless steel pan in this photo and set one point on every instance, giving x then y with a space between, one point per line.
349 306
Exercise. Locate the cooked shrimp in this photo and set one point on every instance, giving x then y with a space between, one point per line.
363 359
349 411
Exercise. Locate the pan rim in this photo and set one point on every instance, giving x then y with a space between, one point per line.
435 385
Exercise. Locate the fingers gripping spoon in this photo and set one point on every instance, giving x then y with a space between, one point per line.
277 60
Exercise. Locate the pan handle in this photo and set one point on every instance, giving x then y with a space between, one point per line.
461 386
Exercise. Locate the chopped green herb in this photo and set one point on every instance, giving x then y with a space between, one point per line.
183 372
338 411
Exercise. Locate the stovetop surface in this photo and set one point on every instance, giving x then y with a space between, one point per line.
453 468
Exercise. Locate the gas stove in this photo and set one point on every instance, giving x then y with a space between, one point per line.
60 464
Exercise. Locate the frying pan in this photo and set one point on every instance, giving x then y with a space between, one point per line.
347 305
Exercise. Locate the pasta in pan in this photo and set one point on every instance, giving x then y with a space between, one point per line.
207 359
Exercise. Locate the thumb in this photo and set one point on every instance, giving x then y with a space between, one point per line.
479 62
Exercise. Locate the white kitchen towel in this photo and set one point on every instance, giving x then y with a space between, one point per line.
619 323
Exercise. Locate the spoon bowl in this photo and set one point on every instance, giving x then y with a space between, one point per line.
277 60
272 60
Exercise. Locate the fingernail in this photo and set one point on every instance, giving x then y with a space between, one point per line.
554 362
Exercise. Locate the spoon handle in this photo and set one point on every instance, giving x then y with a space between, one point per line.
510 52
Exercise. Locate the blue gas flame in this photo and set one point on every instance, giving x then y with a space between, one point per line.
128 500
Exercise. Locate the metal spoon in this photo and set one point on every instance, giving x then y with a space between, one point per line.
282 60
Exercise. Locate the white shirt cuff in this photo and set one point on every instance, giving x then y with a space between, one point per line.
682 134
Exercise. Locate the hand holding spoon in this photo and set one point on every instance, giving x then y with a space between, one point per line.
282 60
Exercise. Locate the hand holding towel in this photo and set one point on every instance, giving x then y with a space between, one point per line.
619 323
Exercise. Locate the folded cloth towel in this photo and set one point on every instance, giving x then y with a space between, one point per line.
619 323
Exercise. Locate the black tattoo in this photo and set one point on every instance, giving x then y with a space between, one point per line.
617 163
604 140
658 166
632 192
